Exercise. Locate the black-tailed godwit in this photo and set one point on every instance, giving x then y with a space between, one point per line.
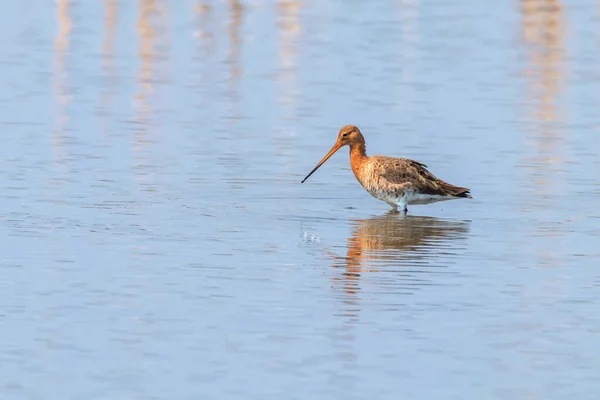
397 181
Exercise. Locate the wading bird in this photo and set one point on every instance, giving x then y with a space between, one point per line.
397 181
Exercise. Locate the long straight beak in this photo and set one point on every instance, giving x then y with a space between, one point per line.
335 148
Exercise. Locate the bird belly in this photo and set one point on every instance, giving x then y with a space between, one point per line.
409 197
420 199
386 196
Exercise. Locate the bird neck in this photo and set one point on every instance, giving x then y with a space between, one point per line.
358 155
358 150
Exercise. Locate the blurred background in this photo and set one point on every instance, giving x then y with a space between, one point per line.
156 242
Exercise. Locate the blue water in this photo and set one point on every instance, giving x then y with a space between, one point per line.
156 242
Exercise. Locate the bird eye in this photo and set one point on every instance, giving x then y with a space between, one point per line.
345 134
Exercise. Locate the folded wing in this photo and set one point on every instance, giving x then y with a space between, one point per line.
408 175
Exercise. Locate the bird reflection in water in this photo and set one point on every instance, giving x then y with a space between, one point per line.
409 248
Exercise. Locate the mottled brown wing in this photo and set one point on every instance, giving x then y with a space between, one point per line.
413 175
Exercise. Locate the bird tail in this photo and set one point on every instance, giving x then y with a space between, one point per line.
462 192
457 191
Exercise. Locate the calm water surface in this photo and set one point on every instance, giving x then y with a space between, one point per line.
156 242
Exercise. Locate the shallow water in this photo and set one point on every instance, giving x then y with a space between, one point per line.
156 242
